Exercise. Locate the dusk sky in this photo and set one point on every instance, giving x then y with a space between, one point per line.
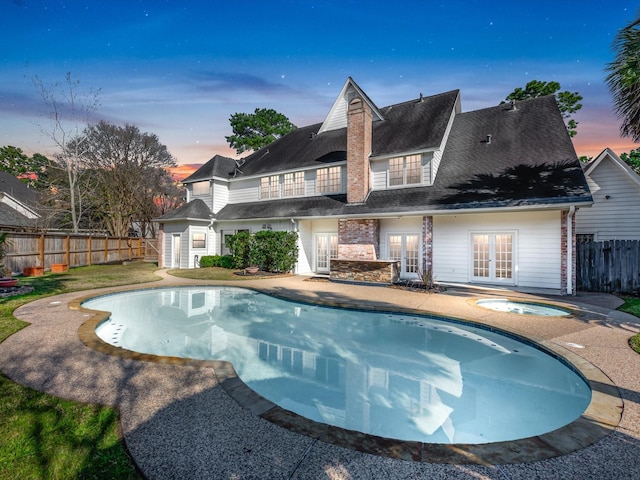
180 69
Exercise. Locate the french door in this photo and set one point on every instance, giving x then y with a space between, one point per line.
326 249
175 250
405 248
492 257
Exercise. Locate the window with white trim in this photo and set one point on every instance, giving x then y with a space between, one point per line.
293 184
329 180
270 187
199 240
200 188
405 170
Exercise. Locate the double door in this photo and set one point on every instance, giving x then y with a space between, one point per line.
492 257
405 248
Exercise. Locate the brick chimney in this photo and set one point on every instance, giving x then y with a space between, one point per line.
358 150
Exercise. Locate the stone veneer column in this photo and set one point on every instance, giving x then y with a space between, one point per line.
358 239
358 150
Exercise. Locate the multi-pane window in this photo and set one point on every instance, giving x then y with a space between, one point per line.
293 184
270 187
329 180
405 170
199 240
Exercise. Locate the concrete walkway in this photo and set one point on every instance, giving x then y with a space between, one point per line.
178 422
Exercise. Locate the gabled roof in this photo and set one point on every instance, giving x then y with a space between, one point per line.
529 162
218 166
416 125
608 154
195 210
337 117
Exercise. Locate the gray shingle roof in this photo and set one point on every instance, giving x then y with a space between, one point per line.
529 161
194 210
217 166
16 189
408 126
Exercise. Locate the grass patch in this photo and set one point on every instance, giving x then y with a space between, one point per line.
632 305
42 436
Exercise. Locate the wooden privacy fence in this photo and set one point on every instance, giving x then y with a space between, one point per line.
612 266
46 249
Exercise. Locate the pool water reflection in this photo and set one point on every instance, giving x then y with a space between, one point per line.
392 375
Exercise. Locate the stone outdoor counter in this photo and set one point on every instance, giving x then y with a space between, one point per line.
366 271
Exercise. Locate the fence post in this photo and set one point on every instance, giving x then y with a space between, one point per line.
41 250
106 249
67 247
89 250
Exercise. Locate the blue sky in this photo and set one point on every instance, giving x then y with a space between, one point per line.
180 69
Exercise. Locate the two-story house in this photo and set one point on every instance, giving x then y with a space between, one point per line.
487 196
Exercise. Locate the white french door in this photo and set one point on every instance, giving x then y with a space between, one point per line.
492 257
326 249
175 251
405 248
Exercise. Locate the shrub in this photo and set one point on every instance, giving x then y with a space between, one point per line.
222 261
206 261
240 245
271 251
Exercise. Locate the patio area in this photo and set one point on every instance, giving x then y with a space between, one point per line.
180 421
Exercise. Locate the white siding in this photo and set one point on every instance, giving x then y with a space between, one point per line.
397 225
379 174
200 252
537 246
207 198
338 117
305 247
220 195
615 218
244 191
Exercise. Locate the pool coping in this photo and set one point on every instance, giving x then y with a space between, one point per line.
601 417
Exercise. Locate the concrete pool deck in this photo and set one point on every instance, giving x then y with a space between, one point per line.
179 422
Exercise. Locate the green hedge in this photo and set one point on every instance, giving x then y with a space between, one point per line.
271 251
222 261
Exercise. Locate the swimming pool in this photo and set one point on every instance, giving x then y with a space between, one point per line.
396 376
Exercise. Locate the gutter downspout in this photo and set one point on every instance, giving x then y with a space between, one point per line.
570 257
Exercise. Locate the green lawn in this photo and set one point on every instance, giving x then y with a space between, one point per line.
632 306
44 437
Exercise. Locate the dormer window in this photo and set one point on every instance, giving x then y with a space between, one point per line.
293 184
329 180
270 187
405 170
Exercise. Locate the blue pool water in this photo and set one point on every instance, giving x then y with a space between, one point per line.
393 375
522 308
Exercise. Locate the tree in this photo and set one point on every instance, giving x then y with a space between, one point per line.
69 112
632 159
31 170
568 102
130 171
252 131
624 79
